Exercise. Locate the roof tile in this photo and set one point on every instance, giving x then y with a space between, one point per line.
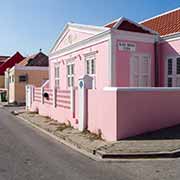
165 24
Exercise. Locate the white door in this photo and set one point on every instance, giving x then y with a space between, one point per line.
140 71
173 72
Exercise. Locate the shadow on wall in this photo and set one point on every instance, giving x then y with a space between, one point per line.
162 134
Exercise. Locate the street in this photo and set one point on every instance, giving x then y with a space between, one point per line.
27 154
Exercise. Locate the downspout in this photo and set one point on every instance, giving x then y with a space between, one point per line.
156 61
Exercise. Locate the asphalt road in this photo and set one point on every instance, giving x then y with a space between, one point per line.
27 154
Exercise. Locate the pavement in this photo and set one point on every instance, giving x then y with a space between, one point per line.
160 144
28 154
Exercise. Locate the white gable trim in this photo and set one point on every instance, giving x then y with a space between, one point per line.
139 25
80 28
81 44
113 21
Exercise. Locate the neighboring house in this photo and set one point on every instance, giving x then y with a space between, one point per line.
38 59
8 62
32 70
120 64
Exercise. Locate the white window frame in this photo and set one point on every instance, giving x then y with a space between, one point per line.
174 72
57 78
93 75
140 55
90 59
70 76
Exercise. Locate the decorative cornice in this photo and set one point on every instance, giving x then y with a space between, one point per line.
81 44
78 27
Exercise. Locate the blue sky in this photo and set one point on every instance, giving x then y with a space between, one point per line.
28 25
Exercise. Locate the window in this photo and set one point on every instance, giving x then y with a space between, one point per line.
57 75
169 81
70 75
173 72
22 78
169 66
178 66
90 65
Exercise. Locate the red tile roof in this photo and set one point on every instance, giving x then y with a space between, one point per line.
3 59
10 62
167 23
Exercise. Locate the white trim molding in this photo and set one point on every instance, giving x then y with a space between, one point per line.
119 22
99 38
170 37
140 89
80 28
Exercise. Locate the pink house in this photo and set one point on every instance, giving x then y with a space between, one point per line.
119 80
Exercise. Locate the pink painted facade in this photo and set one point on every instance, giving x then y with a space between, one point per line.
119 98
123 62
167 50
77 57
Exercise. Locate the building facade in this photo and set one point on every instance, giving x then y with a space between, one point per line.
31 70
104 78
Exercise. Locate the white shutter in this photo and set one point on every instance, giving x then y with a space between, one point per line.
134 71
144 80
140 71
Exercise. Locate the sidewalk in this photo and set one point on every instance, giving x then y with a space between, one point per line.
161 144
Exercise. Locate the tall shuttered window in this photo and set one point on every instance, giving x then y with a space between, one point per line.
173 72
70 74
57 75
90 65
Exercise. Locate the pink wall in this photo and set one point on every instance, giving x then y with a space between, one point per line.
61 111
143 111
123 62
102 113
167 49
79 61
121 113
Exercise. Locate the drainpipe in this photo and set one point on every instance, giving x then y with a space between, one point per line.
156 61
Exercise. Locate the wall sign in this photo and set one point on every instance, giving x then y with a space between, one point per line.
125 46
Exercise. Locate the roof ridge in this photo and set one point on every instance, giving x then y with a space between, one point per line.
162 14
113 21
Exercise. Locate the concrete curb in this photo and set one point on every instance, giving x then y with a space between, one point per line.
99 155
147 155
